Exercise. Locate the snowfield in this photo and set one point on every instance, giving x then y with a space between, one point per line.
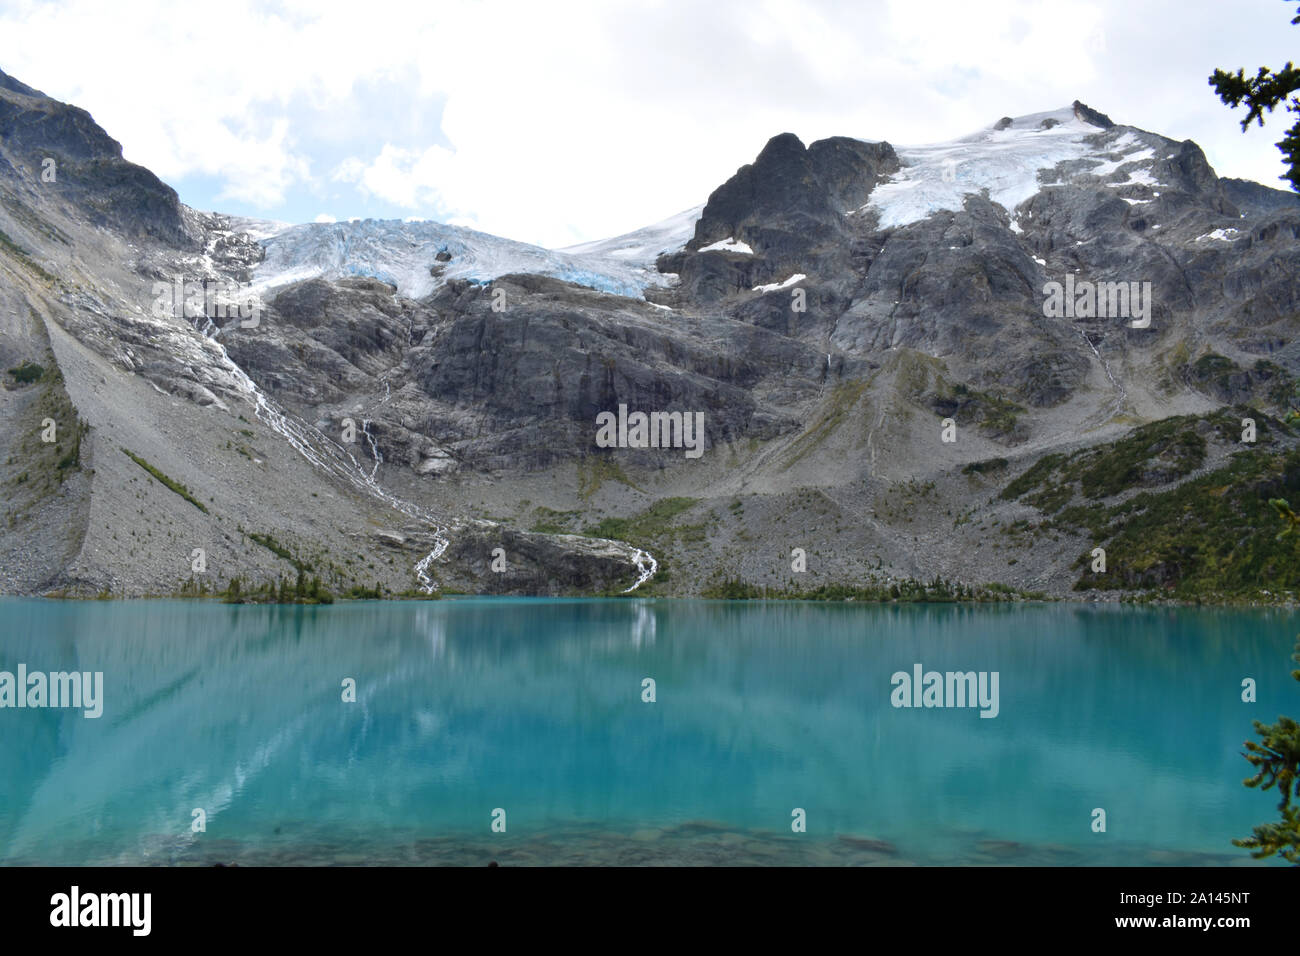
645 245
1006 162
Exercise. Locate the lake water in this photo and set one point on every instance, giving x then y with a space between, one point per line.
534 707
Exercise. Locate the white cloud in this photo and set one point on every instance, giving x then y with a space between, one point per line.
349 171
257 170
404 177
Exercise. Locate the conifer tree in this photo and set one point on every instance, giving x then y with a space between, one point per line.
1276 759
1264 91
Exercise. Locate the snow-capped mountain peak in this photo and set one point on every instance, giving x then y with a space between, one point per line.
1009 160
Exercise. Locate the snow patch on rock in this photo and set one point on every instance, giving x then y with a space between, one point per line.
729 245
773 286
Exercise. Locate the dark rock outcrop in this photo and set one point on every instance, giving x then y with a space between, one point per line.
89 169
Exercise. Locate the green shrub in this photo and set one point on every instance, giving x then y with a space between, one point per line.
168 483
27 372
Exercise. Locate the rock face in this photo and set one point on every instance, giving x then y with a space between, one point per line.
789 207
1091 116
101 184
410 400
331 340
1254 199
545 564
790 188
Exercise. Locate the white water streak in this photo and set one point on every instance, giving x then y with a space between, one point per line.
332 458
646 566
374 448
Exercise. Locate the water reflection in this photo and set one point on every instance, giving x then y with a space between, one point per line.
535 705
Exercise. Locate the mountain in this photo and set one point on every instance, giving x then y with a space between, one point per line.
1083 307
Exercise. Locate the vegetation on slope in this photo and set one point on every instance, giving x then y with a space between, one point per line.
1152 455
651 527
27 372
874 591
7 245
1209 538
169 483
45 464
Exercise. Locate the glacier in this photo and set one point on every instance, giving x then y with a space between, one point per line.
405 255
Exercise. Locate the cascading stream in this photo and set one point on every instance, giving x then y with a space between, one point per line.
374 448
646 566
329 456
1121 392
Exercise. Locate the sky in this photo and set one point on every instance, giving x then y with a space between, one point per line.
566 121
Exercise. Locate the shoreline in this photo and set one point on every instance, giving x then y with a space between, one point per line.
1127 600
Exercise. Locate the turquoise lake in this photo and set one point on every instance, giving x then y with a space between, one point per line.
534 707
